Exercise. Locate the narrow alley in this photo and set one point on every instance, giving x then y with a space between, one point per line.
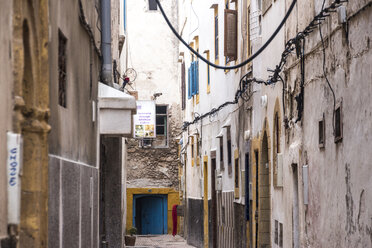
185 123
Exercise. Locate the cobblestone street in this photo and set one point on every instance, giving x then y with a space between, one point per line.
161 241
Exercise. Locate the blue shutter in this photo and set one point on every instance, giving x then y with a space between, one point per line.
193 78
197 76
189 83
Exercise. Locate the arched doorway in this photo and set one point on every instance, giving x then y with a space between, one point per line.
264 218
150 214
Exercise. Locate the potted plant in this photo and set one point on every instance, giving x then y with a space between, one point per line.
130 240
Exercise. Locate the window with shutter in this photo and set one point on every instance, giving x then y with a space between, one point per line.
266 4
197 77
183 86
189 93
230 42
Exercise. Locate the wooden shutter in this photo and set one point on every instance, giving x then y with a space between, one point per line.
230 41
193 72
189 84
183 86
266 4
197 77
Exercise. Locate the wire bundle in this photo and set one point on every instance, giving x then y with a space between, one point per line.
290 46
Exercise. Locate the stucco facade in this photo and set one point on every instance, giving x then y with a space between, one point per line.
336 176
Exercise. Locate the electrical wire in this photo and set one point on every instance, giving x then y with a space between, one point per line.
88 29
325 75
238 65
290 46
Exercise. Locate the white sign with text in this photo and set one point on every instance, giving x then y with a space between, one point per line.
14 161
144 120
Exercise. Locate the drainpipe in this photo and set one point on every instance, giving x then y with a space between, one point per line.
106 74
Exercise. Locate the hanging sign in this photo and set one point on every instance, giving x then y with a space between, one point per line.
144 120
14 158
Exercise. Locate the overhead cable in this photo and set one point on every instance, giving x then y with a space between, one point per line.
234 66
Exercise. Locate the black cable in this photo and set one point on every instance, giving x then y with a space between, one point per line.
325 75
244 62
88 29
290 46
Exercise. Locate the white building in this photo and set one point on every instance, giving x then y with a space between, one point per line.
265 172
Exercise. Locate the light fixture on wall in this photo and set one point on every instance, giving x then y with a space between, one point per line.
264 101
247 134
156 95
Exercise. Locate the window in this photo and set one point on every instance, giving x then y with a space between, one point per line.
192 151
153 5
276 237
280 234
161 126
249 46
321 132
208 75
62 69
229 152
222 167
266 4
237 174
230 35
183 85
338 123
216 35
193 79
276 146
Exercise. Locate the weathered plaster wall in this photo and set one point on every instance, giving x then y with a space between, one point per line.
154 167
73 131
6 99
153 51
338 212
73 164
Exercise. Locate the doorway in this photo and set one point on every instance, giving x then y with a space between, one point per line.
150 214
295 210
214 203
264 218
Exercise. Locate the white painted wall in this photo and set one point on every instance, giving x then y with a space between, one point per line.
153 51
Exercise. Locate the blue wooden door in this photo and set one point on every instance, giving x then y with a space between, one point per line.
152 213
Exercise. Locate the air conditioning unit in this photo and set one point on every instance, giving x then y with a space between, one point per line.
279 164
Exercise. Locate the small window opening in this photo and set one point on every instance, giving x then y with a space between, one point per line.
62 69
153 5
338 124
221 154
321 131
237 192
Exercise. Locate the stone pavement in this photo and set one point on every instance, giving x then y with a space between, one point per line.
160 241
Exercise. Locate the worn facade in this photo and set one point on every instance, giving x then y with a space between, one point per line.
276 169
24 31
153 162
55 108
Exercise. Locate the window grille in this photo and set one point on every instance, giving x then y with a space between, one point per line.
62 69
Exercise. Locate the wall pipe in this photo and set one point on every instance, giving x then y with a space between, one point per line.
106 73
